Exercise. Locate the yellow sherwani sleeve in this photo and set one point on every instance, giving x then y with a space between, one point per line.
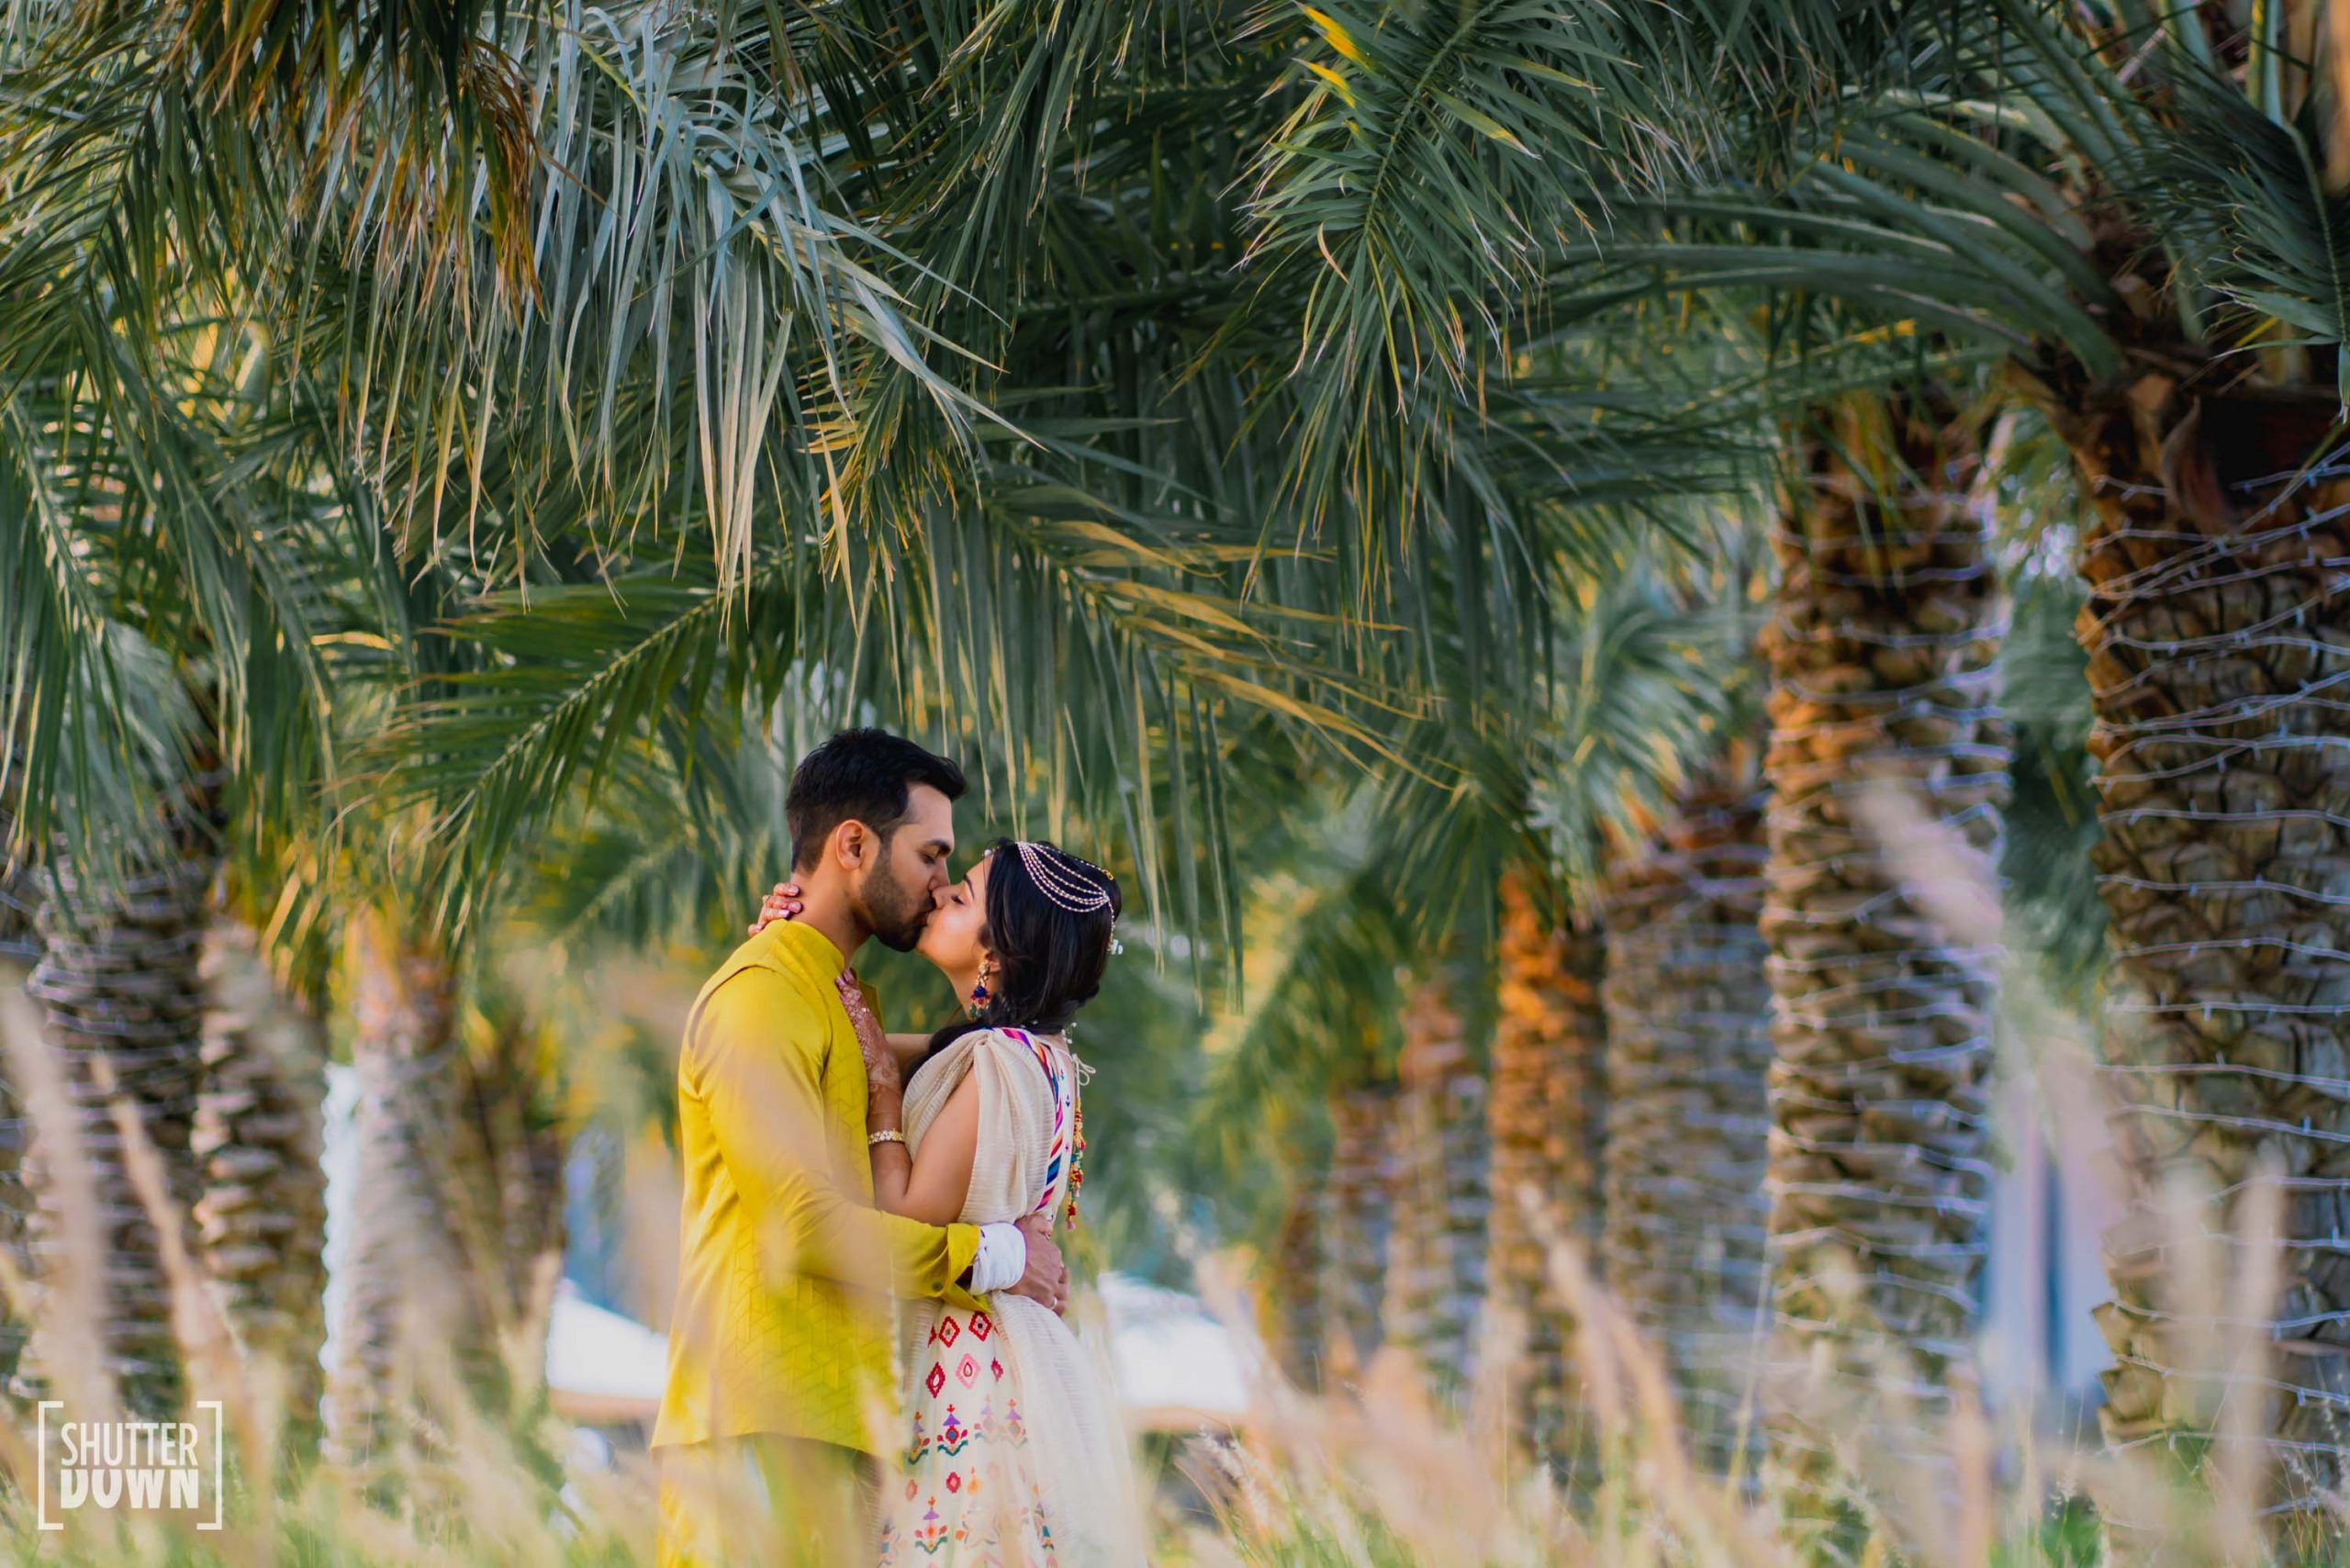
758 1073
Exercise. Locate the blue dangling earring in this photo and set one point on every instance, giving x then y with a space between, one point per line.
979 1001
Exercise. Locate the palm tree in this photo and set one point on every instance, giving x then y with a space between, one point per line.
1545 1115
1291 1310
1436 1249
1887 767
2145 240
259 1145
19 947
510 1145
417 1333
122 995
1688 1010
1357 1211
17 943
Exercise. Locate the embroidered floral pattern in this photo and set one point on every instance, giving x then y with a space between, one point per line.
968 1504
919 1449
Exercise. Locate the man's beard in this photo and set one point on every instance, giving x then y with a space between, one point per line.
893 912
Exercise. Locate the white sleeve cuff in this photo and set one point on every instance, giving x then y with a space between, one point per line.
1002 1258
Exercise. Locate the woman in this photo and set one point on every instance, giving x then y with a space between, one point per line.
1016 1453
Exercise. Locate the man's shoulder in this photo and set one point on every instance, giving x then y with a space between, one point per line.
774 953
762 977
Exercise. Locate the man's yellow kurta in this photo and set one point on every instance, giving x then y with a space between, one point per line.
787 1272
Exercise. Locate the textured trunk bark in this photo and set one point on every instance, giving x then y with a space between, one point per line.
509 1154
259 1143
1436 1256
19 943
415 1335
123 1001
1357 1214
19 950
2217 628
1288 1296
1884 699
1688 1004
1546 1115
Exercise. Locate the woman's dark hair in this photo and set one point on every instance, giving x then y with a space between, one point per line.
1048 959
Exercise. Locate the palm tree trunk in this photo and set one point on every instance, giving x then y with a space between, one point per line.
1889 768
1289 1304
19 943
1688 1005
1436 1254
508 1171
1358 1210
259 1142
2218 636
121 993
19 950
1545 1114
415 1334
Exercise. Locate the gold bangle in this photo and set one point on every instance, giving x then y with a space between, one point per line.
890 1135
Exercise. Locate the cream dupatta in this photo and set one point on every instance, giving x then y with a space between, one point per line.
1032 1465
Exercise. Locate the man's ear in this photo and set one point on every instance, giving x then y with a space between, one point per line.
852 845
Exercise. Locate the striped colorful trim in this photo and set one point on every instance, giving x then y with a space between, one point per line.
1064 1086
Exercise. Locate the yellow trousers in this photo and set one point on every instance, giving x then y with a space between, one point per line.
763 1500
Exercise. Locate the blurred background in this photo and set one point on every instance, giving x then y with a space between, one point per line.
1706 637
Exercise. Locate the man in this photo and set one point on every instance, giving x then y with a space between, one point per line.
781 1347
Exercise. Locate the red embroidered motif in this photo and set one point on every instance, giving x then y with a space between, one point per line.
936 1380
982 1324
947 1329
967 1370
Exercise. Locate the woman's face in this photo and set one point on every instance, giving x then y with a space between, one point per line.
951 937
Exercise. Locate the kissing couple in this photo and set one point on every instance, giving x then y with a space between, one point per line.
867 1361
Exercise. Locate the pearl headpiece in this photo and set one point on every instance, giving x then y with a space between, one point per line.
1077 894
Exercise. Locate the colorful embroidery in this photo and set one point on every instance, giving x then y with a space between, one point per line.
933 1534
972 1499
1066 1147
919 1449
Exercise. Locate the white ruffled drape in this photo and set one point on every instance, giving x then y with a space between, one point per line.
1032 1467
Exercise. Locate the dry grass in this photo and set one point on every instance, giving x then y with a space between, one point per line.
1371 1477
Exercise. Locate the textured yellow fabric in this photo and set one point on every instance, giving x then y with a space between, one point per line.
786 1273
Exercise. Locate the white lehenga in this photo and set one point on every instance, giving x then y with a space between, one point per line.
1016 1454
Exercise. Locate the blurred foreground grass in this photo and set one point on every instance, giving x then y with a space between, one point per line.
1371 1476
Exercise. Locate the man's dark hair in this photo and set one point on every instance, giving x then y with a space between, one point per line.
859 776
